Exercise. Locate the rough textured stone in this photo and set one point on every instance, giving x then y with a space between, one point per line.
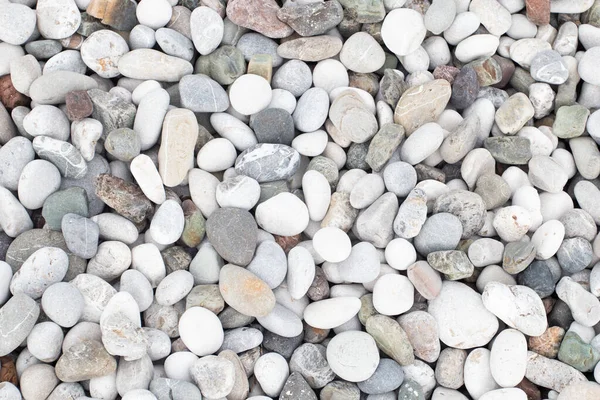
124 197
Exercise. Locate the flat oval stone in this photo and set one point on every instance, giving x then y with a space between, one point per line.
85 360
164 67
200 93
496 18
101 52
17 317
353 355
361 53
315 48
17 23
196 318
511 150
245 292
422 331
206 28
52 88
43 268
311 110
282 321
268 162
331 313
63 155
176 156
174 43
421 104
550 373
462 319
508 358
387 377
403 31
232 232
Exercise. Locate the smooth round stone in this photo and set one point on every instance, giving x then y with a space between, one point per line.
138 286
250 94
440 232
239 192
478 377
421 329
574 254
422 143
38 381
464 24
57 19
43 268
508 358
399 178
283 99
449 370
37 122
331 313
110 261
17 23
353 356
400 254
269 263
215 376
168 223
330 74
332 244
177 365
387 377
242 339
476 46
197 319
200 93
294 76
101 52
512 222
283 214
45 340
14 217
310 144
425 279
68 60
273 125
504 301
174 43
45 90
578 222
216 155
142 37
570 121
311 110
440 16
548 238
581 390
164 389
207 29
521 27
17 319
362 265
393 295
403 31
282 321
154 14
547 174
271 371
462 319
174 287
81 235
146 175
235 242
587 64
232 283
9 391
14 156
485 251
366 190
361 53
301 272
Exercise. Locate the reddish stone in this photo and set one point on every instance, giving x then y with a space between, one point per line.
538 11
258 15
446 72
548 302
287 242
548 343
79 105
531 390
8 373
73 42
508 69
9 96
124 197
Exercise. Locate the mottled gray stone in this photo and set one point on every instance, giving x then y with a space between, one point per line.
268 162
17 318
574 254
81 235
467 206
511 150
200 93
111 110
233 232
310 362
387 377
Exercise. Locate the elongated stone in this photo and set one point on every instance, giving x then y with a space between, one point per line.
53 87
62 154
152 64
176 153
267 162
85 360
17 318
314 48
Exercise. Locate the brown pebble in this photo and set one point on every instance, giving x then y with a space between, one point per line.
288 242
119 14
314 335
178 345
73 42
548 304
538 11
8 372
319 289
124 197
548 343
79 105
258 15
9 96
531 390
446 72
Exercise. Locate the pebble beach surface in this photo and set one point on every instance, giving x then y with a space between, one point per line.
299 199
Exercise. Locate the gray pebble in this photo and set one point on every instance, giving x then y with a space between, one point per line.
81 235
400 178
232 232
548 66
254 43
311 363
173 389
441 231
17 318
242 339
268 162
273 125
123 144
578 222
467 206
574 254
296 388
294 76
269 263
387 377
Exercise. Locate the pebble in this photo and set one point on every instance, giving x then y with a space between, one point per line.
403 31
361 53
585 66
250 83
268 162
200 93
356 365
57 20
207 29
311 49
271 371
269 263
551 373
214 375
166 68
508 358
462 319
234 242
283 214
273 125
18 316
421 104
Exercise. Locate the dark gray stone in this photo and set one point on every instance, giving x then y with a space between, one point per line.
273 125
464 88
511 150
538 277
296 388
517 256
111 110
356 157
233 233
281 345
387 377
72 200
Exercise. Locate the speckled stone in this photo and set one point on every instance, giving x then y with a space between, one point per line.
577 353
